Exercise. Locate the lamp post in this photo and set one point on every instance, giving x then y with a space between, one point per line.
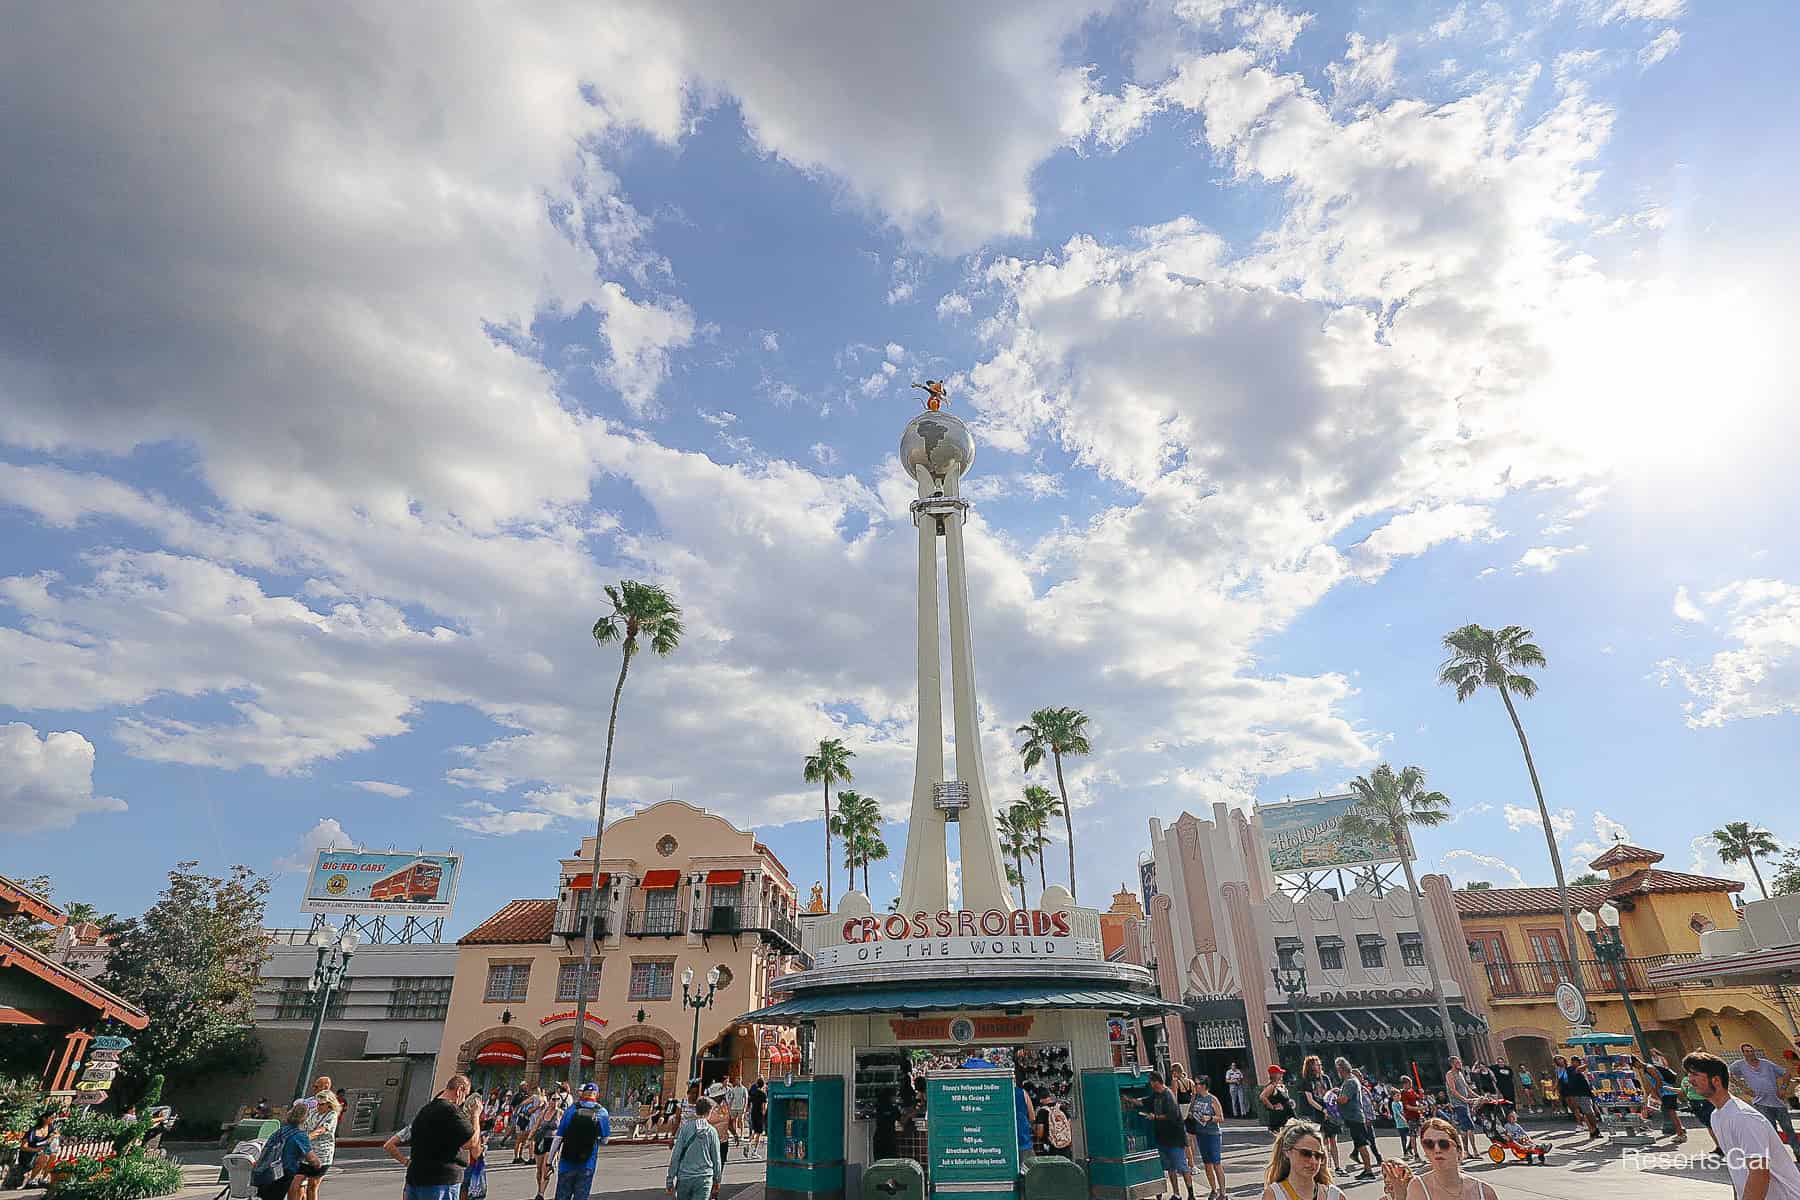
691 998
1603 932
334 950
1290 977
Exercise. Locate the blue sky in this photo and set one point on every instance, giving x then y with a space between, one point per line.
339 372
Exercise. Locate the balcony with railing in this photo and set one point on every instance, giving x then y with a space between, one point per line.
1538 980
655 922
767 921
572 923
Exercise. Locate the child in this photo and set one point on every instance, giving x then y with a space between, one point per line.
1519 1142
1397 1109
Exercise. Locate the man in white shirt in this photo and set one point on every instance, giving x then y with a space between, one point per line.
1764 1078
1760 1166
1234 1081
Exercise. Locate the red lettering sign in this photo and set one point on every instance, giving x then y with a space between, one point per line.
921 925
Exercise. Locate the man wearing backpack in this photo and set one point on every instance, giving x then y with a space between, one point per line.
286 1158
584 1129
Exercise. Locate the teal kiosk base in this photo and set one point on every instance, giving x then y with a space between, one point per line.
806 1139
1122 1160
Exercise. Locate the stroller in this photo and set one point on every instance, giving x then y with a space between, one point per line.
237 1166
1492 1115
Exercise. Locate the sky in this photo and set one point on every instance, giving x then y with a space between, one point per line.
346 354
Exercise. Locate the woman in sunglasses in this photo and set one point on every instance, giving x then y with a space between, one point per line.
1298 1167
1443 1179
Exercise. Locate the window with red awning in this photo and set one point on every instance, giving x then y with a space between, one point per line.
724 878
629 1053
500 1054
558 1055
585 880
657 880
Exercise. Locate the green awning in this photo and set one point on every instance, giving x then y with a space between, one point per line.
852 1001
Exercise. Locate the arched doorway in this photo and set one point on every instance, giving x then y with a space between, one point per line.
553 1063
499 1062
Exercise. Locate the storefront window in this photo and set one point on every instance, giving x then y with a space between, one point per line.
629 1087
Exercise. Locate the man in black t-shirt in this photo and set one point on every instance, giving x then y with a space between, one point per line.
438 1134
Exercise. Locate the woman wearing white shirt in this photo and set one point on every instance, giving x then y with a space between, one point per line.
1298 1167
1443 1179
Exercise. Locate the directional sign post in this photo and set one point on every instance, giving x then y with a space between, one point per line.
111 1042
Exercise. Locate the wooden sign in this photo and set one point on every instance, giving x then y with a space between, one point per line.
110 1042
100 1056
92 1085
937 1029
101 1071
89 1097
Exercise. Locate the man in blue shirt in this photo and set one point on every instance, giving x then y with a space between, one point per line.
584 1129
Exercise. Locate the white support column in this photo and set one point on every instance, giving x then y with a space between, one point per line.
925 884
983 874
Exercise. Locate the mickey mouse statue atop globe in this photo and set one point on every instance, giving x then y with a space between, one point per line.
936 440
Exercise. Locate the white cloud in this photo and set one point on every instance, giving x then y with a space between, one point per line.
1270 28
1366 70
1659 48
393 791
824 455
954 304
1637 10
1412 533
1545 559
640 337
1760 676
1686 609
1465 866
47 782
1609 830
771 341
1520 818
327 834
1705 860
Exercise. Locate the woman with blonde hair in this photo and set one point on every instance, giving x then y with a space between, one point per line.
1443 1179
1298 1166
323 1111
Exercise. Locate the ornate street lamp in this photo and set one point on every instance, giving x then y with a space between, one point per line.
333 965
690 998
1290 977
1609 948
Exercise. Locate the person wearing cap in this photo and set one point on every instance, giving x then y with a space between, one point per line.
584 1129
1278 1105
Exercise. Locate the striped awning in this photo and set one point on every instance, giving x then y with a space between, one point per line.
628 1053
558 1055
499 1054
851 1001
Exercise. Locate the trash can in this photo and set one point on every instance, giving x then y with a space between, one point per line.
1051 1178
895 1179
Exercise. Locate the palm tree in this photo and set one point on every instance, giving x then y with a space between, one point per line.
857 822
830 765
1054 732
1388 807
1740 841
1496 658
1015 842
639 610
1043 806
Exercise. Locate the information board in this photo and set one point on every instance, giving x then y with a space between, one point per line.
973 1132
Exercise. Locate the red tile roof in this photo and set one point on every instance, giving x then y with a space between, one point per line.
522 922
1508 902
1624 852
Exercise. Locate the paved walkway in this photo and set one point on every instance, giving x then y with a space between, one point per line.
1578 1170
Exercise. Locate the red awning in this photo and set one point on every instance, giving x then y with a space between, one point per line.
499 1054
585 880
657 880
637 1052
724 877
558 1055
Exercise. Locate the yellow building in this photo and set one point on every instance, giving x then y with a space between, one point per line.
1515 936
680 890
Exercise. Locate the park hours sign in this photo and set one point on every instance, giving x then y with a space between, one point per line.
973 1134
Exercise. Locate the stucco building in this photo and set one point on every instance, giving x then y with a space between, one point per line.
1221 917
1516 937
680 889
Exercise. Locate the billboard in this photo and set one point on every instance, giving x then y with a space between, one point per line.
1302 835
376 882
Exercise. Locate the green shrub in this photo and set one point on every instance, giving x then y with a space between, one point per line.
20 1102
135 1176
82 1125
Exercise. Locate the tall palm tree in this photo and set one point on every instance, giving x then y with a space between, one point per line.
830 765
1388 808
1044 807
1015 842
857 822
1052 733
1497 658
1740 841
639 611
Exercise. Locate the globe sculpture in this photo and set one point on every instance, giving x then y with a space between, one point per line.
937 441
